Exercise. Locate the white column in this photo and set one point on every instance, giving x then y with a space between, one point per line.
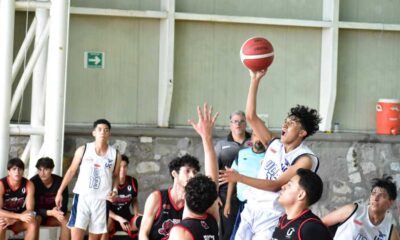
329 54
7 15
56 82
166 63
38 91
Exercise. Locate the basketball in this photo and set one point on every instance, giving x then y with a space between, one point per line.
257 53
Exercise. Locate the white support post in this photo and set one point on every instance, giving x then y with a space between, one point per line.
329 54
38 91
56 82
23 49
166 63
7 16
19 91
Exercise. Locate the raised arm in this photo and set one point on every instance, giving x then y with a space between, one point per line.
69 174
204 127
230 175
252 118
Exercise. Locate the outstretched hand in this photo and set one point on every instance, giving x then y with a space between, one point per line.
228 175
257 75
205 124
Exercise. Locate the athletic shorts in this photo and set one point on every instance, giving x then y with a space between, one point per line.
88 212
257 223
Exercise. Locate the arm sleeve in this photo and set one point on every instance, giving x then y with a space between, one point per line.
315 230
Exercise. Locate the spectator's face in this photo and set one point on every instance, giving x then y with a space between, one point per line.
16 173
238 125
123 171
101 132
184 175
258 146
379 201
291 192
45 174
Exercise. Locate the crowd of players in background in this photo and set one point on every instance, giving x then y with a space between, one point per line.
264 189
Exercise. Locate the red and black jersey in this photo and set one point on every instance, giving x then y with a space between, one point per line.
127 192
204 228
14 199
167 216
306 226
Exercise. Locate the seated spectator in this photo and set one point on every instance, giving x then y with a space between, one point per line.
367 221
46 187
120 217
17 202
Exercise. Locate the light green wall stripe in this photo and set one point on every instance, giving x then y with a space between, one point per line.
208 68
125 91
368 70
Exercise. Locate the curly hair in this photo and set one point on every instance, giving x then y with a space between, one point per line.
186 160
386 182
200 193
312 184
308 117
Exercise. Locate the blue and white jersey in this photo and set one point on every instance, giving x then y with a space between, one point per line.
276 162
359 227
96 173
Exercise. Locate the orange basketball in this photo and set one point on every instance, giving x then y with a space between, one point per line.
257 53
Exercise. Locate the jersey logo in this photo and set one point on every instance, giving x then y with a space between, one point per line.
204 225
166 227
209 237
289 233
23 190
129 188
284 166
357 222
381 236
225 147
109 163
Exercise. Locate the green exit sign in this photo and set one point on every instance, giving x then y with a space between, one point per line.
94 60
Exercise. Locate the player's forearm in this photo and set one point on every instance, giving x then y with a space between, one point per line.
229 192
251 104
8 214
210 161
66 180
262 184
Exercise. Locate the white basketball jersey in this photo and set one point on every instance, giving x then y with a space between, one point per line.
277 161
359 227
96 173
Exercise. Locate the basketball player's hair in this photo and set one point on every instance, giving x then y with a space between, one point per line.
308 117
101 121
237 112
311 183
15 162
185 160
200 193
125 159
45 162
386 182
